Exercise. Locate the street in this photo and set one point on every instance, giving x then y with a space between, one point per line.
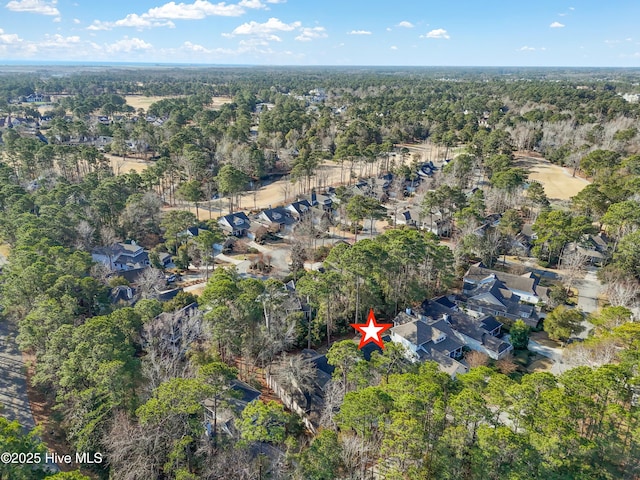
13 380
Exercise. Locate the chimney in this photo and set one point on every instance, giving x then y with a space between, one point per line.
313 198
445 317
408 311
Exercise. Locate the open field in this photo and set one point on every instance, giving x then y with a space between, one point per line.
121 166
141 101
557 181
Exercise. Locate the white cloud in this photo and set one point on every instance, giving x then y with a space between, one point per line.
405 24
140 21
57 20
194 11
527 49
132 20
309 33
9 38
393 47
76 21
265 29
437 33
58 41
556 25
128 45
41 7
161 16
255 4
359 32
194 47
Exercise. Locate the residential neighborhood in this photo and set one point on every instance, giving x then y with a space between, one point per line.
248 273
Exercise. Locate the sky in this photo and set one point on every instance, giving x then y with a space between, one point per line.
324 32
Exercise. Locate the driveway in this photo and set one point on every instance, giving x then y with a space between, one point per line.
552 353
280 255
13 380
589 289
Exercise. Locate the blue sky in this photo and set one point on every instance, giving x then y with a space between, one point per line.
324 32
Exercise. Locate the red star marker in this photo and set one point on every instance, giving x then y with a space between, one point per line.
371 330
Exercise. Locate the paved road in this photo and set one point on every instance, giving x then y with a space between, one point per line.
13 380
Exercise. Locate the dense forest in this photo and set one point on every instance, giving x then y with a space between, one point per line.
142 404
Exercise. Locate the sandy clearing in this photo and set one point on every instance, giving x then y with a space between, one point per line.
142 101
430 152
217 102
557 181
121 166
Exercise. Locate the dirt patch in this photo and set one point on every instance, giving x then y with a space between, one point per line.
543 339
541 364
121 165
5 250
217 102
558 182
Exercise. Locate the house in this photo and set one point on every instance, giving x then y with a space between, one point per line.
437 225
525 286
236 224
323 201
300 208
505 295
523 241
223 417
595 248
168 329
278 217
308 405
479 334
166 260
122 256
405 218
34 97
123 294
191 232
427 340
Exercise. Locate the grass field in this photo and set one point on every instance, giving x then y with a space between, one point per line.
121 166
141 101
557 181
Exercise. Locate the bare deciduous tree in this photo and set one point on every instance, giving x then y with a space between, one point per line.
85 231
506 364
333 396
593 354
573 262
166 340
623 292
295 373
477 359
150 282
